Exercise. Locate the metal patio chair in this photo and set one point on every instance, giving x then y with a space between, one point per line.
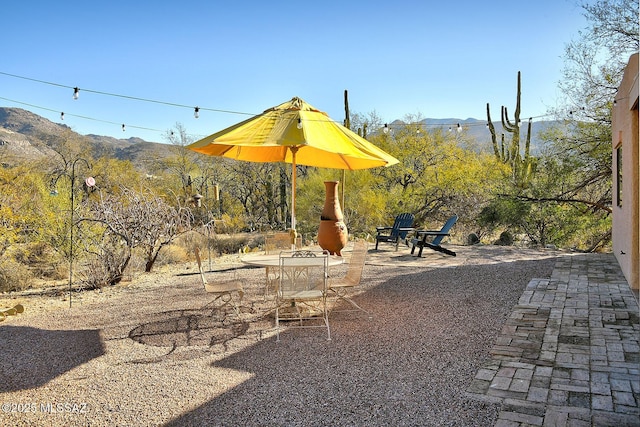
301 296
343 287
222 290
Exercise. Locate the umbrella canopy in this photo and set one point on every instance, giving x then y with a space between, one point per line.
297 133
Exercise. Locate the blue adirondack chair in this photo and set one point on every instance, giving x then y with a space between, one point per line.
402 225
421 240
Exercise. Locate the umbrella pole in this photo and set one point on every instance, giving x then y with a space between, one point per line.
344 181
294 172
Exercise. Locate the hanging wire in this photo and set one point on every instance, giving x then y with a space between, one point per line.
65 115
76 92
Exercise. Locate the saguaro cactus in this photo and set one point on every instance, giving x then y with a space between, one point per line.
522 166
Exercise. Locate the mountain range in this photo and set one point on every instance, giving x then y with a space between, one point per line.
27 136
477 130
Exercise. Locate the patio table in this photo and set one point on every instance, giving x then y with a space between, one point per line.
273 260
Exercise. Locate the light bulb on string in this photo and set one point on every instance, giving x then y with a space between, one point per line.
62 115
459 128
123 127
385 129
196 112
299 125
76 93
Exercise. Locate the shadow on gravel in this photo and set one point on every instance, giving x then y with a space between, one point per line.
50 353
409 365
179 328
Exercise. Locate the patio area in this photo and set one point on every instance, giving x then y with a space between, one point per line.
495 336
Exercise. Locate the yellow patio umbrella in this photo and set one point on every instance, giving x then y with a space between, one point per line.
297 133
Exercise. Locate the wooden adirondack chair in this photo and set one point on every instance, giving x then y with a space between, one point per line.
421 239
402 225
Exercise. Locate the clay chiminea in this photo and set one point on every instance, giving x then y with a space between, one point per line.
332 233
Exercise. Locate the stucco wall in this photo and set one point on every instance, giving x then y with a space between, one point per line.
626 215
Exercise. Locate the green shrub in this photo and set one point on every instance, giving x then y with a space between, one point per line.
505 239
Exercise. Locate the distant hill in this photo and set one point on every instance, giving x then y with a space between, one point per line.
28 136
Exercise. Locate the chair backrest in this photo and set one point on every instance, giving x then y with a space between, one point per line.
204 279
403 220
356 263
445 229
303 271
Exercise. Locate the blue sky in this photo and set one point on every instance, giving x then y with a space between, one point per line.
442 59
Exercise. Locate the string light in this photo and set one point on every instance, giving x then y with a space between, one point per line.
79 116
76 94
299 125
575 111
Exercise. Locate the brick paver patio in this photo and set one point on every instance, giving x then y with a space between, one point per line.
569 354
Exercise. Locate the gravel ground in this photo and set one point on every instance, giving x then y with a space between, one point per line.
149 352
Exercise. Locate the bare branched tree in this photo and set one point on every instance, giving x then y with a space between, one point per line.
137 219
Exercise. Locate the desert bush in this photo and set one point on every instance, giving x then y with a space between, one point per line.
230 244
14 276
173 254
105 267
473 239
190 241
230 224
505 239
41 259
95 275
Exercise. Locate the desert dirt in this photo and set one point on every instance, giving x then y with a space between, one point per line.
153 351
